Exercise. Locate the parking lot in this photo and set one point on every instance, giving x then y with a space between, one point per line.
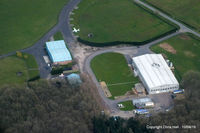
162 101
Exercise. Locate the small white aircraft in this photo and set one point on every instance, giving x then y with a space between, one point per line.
76 30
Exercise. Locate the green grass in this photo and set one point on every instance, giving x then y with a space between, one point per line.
10 66
116 20
128 106
185 10
113 68
58 36
187 55
30 61
32 66
23 22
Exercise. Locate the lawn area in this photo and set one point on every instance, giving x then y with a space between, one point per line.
58 36
184 10
32 67
16 70
186 56
116 20
23 22
128 106
113 68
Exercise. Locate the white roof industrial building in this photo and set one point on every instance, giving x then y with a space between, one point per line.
154 73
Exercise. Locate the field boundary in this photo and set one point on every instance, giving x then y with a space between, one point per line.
174 29
123 83
123 42
181 21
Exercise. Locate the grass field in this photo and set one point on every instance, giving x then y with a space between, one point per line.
58 36
112 68
23 22
185 10
116 20
128 106
10 66
187 56
32 66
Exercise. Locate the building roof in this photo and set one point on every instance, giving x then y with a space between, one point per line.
58 51
74 78
141 110
139 87
141 100
154 70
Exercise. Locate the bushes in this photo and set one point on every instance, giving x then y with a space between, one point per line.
30 64
60 68
56 71
34 78
104 124
186 111
121 42
47 107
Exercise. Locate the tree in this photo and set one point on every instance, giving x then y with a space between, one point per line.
185 112
105 124
19 54
25 56
47 107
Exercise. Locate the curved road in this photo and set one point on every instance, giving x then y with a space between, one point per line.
63 25
130 51
37 50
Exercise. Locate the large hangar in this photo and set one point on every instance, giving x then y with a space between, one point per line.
154 73
58 52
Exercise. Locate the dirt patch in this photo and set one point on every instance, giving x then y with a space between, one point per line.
128 93
80 52
184 37
168 48
189 54
164 55
180 97
105 89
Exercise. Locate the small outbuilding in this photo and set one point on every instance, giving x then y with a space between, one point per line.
143 102
74 79
58 52
139 89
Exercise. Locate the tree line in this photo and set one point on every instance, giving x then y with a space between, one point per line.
57 106
185 114
47 107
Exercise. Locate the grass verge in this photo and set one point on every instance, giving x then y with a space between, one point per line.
23 22
186 56
117 21
17 70
113 69
128 106
58 36
184 11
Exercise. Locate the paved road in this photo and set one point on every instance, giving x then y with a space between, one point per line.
131 51
38 49
63 25
183 28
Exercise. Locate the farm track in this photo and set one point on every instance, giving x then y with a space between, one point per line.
63 25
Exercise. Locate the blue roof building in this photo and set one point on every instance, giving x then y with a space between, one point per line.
141 111
58 51
74 79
